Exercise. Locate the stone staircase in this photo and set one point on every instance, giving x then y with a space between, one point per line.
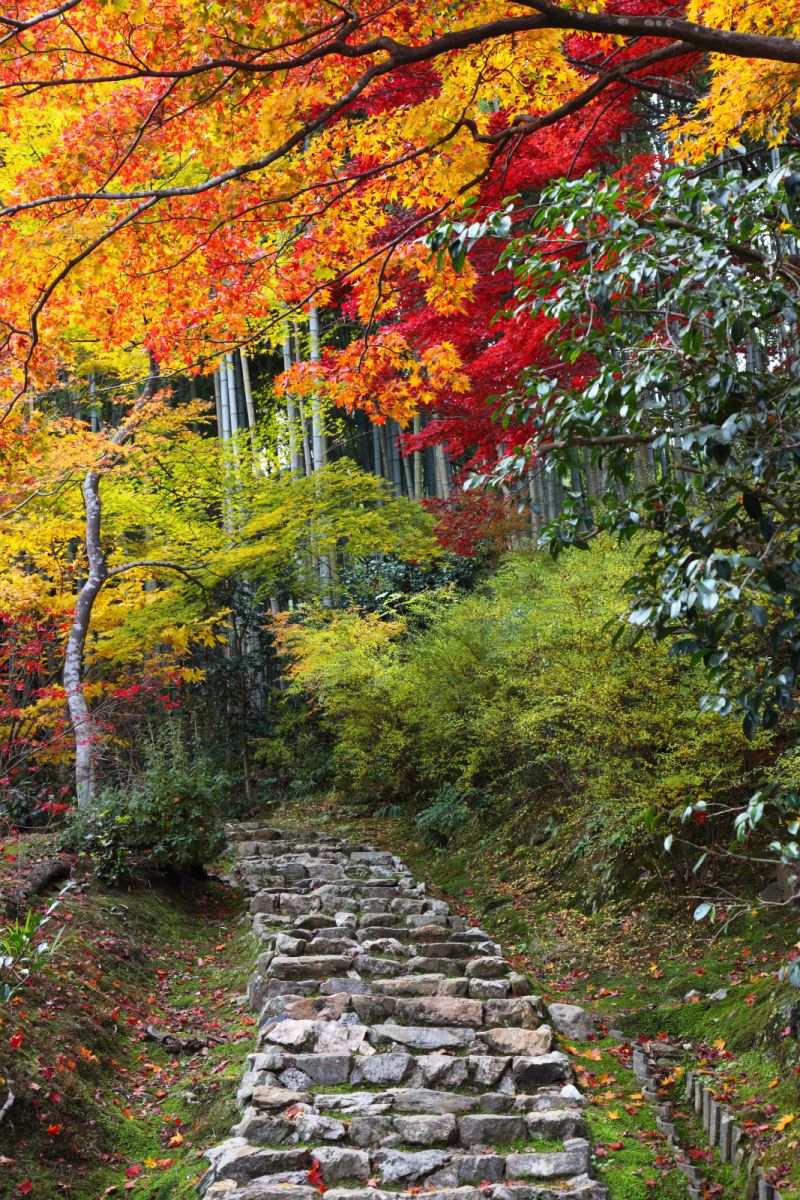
397 1051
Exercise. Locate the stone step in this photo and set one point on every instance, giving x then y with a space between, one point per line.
396 1050
240 1161
578 1188
379 1124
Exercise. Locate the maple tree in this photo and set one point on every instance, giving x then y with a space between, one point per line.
154 526
192 178
183 171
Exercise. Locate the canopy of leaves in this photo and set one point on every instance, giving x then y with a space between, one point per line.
673 304
172 172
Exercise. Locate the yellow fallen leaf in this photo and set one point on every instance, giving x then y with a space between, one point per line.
176 1140
784 1121
718 1043
612 1115
774 1083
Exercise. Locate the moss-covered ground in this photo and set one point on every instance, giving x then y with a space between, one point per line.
100 1109
643 967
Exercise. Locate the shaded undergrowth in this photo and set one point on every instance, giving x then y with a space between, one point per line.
100 1108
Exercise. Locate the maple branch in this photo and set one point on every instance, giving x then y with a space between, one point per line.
157 562
521 125
707 38
38 493
704 38
17 27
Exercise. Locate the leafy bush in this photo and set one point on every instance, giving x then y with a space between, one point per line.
515 698
170 817
448 812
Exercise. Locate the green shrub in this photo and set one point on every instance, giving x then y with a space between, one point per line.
445 816
170 817
514 698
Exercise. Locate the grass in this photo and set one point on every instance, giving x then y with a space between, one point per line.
98 1106
631 963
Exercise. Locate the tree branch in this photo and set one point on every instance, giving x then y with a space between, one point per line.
165 564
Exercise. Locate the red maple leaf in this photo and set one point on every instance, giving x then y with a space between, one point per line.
315 1177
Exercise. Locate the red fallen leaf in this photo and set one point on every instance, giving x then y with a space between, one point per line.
315 1176
54 1130
615 1145
133 1171
15 1041
25 1188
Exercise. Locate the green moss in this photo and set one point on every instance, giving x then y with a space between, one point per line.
151 955
529 1145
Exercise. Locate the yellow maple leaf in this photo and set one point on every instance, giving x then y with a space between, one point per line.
784 1121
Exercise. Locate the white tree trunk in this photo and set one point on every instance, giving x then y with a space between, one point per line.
224 407
218 403
442 477
291 413
248 396
417 460
319 448
84 727
233 408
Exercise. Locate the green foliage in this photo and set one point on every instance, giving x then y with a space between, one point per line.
448 812
379 582
21 947
339 513
514 696
170 817
677 307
